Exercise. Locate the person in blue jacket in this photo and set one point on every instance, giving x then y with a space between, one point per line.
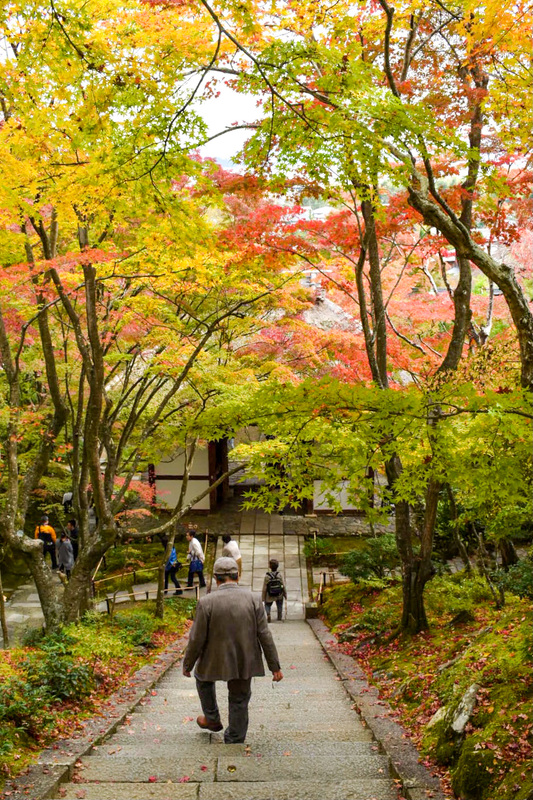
171 567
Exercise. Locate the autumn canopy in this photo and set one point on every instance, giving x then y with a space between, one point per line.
357 283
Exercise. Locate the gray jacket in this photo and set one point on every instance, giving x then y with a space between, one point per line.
227 636
65 554
270 598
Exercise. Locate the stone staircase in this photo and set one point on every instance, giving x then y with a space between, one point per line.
304 741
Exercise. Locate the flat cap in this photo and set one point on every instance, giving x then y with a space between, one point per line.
225 566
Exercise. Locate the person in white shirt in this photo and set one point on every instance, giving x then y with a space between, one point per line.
196 559
231 550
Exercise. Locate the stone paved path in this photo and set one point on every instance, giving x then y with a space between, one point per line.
304 742
258 547
261 536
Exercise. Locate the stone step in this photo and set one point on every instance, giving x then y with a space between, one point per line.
304 741
372 789
318 706
138 769
294 676
288 720
272 695
183 735
267 748
307 691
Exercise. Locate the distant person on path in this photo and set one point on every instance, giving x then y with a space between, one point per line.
65 555
196 559
171 567
73 533
66 502
48 537
273 590
231 550
225 643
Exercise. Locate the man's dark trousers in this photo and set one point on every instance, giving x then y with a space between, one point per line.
49 547
239 693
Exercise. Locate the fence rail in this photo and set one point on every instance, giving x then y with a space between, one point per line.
124 575
145 594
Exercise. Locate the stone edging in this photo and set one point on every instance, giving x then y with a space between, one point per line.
56 764
416 780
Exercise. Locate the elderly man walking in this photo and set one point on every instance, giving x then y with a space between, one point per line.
229 632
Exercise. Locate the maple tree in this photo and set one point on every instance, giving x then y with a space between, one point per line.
119 308
406 97
418 96
126 238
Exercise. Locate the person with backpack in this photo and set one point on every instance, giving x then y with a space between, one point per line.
171 567
48 537
273 590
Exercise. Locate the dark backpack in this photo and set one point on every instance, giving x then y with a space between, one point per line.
45 537
274 584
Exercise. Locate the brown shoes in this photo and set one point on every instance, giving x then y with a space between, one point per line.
204 723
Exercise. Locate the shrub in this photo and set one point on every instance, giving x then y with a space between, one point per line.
55 672
136 628
456 593
59 678
518 579
24 705
377 558
32 637
315 548
376 619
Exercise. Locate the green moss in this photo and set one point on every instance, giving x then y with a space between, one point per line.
446 753
517 785
422 673
338 604
472 776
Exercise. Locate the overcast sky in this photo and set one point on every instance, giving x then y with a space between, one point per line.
221 113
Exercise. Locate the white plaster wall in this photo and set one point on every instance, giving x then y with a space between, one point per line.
175 465
320 503
168 492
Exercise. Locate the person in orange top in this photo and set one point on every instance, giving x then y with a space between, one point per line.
48 537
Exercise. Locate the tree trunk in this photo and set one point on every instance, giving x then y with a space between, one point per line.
508 553
414 619
78 592
456 537
501 274
380 324
483 563
417 569
462 316
160 602
3 620
160 599
49 593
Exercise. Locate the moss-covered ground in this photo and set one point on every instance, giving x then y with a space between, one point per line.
419 675
50 686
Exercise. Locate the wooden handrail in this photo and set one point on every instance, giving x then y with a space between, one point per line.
97 568
146 595
321 587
